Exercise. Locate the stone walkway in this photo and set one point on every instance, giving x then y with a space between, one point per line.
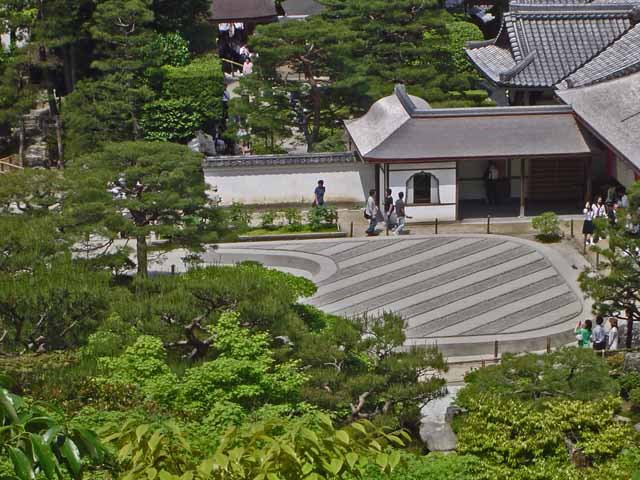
462 292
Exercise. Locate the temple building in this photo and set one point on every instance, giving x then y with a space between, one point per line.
545 43
571 68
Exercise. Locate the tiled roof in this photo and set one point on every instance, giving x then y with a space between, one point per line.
612 110
242 161
542 42
425 133
621 58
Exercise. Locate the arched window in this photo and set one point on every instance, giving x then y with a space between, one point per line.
423 188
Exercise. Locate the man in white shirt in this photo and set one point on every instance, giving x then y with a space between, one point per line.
371 213
491 183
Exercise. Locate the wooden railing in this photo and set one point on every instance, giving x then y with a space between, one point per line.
10 163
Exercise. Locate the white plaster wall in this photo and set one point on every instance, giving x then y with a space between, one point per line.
345 183
625 174
446 175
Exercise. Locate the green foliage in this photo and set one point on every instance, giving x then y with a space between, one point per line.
53 305
548 226
239 216
268 218
168 49
567 373
629 381
434 466
243 373
290 449
634 397
357 371
293 216
164 191
319 216
36 440
103 110
120 28
170 120
190 98
515 434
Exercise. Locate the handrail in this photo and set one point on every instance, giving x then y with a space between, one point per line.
231 61
8 163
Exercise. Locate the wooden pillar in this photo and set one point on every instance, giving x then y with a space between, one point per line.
589 180
523 171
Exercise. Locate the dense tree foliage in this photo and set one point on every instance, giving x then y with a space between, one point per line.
312 75
158 188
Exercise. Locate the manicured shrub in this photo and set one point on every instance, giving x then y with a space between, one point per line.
548 226
269 218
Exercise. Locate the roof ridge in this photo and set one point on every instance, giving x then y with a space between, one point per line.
509 23
492 111
518 67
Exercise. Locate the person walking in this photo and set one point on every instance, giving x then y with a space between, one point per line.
401 215
318 199
388 209
598 336
587 226
613 334
371 213
491 183
583 333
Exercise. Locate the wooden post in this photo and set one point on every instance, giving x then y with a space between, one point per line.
21 143
572 236
351 230
523 169
488 224
589 179
59 141
548 344
495 349
173 269
436 226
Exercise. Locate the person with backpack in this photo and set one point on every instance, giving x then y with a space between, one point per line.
583 333
371 212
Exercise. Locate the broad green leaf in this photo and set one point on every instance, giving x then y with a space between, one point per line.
89 442
358 426
187 476
382 459
6 404
394 459
21 464
307 468
352 458
343 436
154 441
222 460
71 454
273 476
44 455
206 467
51 434
141 431
335 466
152 473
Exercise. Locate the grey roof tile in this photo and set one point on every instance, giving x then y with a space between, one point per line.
542 42
621 58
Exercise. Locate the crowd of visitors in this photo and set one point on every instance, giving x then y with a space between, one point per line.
610 335
616 198
394 214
